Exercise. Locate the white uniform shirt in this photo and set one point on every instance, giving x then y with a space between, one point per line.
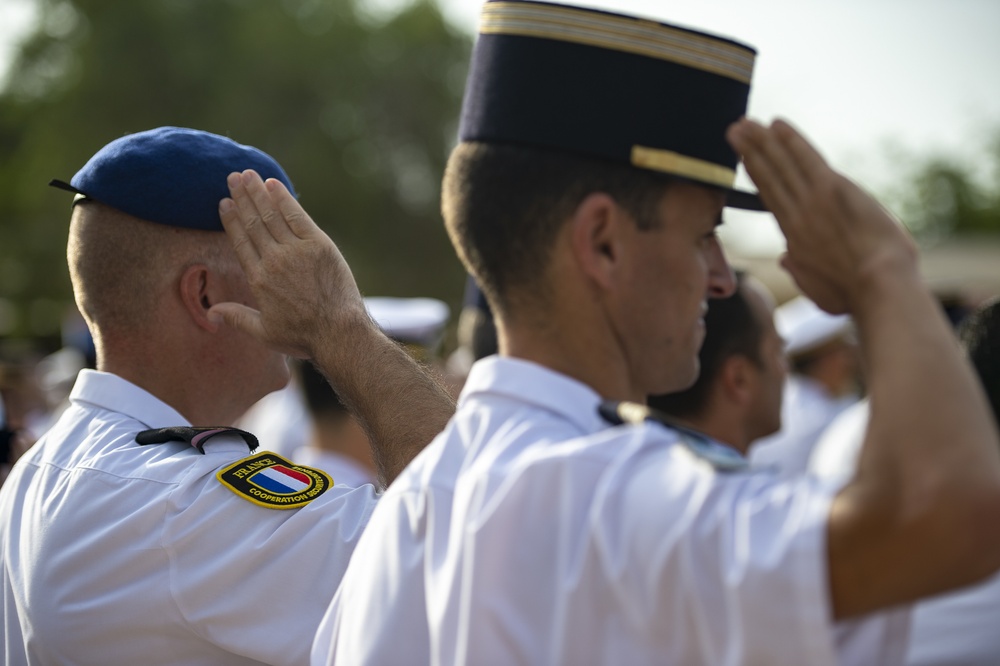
343 469
835 456
806 411
958 629
955 629
116 553
531 532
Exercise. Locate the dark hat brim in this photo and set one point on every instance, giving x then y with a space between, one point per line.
744 201
63 185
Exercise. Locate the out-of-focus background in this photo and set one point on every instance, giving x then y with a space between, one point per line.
358 99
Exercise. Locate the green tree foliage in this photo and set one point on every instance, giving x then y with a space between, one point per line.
360 110
942 196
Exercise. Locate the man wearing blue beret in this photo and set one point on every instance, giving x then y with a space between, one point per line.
141 529
554 522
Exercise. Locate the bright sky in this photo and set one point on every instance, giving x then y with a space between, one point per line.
855 75
15 18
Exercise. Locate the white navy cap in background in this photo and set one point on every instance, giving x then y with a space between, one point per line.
805 327
412 320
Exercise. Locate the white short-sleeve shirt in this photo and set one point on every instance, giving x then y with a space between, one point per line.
954 629
806 410
343 469
116 553
532 532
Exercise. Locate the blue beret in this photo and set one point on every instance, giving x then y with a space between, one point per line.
614 87
169 175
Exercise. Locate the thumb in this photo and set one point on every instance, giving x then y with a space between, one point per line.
240 317
247 320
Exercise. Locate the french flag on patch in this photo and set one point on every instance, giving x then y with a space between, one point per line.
281 479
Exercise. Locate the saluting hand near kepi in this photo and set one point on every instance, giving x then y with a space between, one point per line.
929 470
838 236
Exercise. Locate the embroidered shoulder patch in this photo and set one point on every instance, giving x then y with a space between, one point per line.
269 480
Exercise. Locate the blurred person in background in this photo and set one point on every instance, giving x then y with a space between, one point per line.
286 422
23 413
25 398
165 537
332 438
14 442
38 391
737 396
335 441
834 456
417 324
6 443
823 381
477 335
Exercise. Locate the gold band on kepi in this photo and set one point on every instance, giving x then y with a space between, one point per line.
617 33
689 167
610 86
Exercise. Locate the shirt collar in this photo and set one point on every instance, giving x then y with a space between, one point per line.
111 392
535 385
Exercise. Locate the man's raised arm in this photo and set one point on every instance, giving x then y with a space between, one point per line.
308 305
921 514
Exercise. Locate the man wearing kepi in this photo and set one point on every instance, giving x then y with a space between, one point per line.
592 171
127 536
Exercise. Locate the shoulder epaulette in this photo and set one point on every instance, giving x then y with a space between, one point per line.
196 437
721 457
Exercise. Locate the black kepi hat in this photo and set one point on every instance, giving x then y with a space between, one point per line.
610 86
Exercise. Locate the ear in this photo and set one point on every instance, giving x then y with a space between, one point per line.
596 237
737 379
197 292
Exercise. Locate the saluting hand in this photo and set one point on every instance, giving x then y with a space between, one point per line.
840 240
303 286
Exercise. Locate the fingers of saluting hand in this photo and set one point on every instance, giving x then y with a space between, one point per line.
262 218
298 222
249 219
781 163
229 213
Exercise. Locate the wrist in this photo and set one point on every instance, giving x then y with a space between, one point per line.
348 336
886 278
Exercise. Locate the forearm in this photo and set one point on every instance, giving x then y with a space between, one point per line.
929 416
930 465
400 404
919 515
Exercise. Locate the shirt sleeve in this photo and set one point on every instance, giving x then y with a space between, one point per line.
256 580
739 558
